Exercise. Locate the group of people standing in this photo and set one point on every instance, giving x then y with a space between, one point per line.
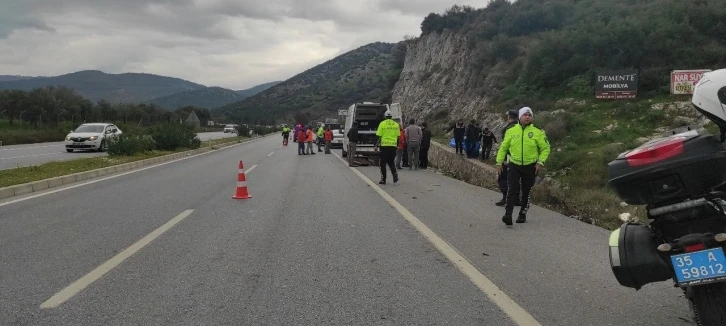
466 137
304 135
394 141
521 156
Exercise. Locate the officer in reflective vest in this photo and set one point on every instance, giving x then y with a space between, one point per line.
388 133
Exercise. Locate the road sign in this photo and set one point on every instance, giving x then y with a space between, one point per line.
343 112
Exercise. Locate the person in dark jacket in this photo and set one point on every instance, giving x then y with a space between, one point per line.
472 134
352 143
425 144
459 132
487 139
512 120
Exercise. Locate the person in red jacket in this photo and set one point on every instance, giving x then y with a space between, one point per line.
401 147
301 142
328 134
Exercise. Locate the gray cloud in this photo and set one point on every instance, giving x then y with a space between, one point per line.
228 43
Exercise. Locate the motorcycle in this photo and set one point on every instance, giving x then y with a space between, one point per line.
681 178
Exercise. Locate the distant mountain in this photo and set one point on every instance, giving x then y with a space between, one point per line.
4 78
210 97
97 85
367 73
257 89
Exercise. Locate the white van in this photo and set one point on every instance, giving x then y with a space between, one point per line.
368 115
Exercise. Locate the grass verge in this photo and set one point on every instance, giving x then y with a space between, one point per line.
585 136
11 177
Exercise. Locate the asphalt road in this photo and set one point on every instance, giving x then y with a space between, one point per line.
315 245
33 154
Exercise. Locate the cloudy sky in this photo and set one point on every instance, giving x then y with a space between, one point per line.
229 43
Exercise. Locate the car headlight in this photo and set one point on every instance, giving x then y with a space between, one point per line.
68 137
93 138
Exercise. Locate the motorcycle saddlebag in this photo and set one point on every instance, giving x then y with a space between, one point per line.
634 257
668 170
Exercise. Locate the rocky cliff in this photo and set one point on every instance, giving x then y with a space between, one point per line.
434 84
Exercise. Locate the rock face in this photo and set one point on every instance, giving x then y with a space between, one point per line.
468 170
435 82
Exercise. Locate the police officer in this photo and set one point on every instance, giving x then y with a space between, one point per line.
285 134
388 133
512 117
529 149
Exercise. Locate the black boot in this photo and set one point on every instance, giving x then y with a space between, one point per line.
382 182
501 202
507 218
522 218
395 177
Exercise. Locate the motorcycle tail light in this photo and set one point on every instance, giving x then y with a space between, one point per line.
695 247
656 152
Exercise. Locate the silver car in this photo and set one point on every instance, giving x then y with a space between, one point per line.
91 136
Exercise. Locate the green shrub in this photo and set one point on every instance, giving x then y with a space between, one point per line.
169 137
242 130
128 145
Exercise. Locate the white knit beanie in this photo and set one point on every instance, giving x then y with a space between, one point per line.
525 110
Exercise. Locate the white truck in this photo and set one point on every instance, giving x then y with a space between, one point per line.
368 115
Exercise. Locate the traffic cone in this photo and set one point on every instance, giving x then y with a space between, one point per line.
241 183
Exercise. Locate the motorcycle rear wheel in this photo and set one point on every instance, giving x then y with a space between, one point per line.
708 304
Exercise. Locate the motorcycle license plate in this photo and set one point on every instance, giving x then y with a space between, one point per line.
700 267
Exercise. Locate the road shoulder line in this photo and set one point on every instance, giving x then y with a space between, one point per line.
502 300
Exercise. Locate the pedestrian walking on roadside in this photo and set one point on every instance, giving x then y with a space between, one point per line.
487 139
425 144
413 144
328 134
388 134
352 143
529 149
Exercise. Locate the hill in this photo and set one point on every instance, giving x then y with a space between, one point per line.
531 49
115 88
367 73
257 89
210 97
4 78
477 63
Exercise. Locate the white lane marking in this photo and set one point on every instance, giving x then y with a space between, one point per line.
118 175
18 148
250 169
510 307
268 155
10 158
78 286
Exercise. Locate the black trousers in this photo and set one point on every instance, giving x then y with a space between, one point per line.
459 145
520 178
486 151
502 180
388 157
424 158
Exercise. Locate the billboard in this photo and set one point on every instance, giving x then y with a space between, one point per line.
684 81
622 84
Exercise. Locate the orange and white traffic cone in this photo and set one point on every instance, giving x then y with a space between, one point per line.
241 183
